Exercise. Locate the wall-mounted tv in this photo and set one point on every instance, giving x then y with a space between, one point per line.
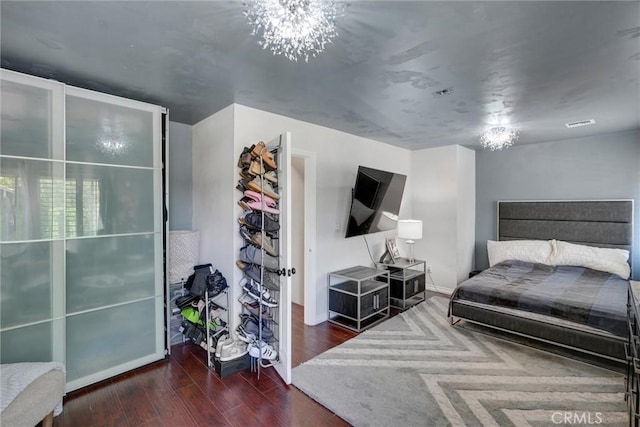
376 201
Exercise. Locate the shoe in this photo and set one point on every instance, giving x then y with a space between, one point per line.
258 239
254 309
262 350
262 241
262 187
250 324
249 204
251 255
210 348
260 150
255 169
246 234
223 342
245 298
253 221
244 204
249 331
245 156
262 202
242 184
264 297
216 313
244 173
252 271
271 177
235 351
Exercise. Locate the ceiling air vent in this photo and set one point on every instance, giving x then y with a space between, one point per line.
580 123
444 92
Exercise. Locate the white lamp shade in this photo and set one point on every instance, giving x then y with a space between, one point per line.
410 229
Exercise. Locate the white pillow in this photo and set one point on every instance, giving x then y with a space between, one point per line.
521 250
601 259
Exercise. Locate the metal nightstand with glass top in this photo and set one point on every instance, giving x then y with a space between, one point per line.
358 297
407 281
632 349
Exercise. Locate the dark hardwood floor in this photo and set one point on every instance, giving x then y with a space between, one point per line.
182 391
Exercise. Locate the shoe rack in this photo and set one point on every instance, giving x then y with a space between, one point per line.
216 303
262 276
212 303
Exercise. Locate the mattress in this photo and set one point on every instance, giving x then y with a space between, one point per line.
587 297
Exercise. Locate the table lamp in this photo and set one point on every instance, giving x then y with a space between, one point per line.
410 230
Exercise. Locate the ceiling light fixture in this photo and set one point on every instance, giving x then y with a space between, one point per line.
294 28
498 138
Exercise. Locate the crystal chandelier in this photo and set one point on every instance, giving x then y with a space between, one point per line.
498 138
293 28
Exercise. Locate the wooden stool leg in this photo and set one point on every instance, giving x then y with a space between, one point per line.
48 420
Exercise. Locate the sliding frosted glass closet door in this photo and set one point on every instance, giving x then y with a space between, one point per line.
96 204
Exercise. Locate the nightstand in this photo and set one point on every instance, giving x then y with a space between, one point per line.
407 282
358 297
632 350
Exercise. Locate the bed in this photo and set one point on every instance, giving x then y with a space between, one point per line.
572 306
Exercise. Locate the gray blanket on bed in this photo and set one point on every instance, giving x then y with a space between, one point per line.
578 294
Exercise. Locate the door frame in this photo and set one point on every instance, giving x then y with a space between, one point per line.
310 300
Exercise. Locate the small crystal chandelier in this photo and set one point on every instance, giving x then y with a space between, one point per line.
293 28
498 138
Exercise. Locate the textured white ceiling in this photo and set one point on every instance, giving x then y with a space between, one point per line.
535 65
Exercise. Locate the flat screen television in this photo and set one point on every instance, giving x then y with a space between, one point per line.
376 201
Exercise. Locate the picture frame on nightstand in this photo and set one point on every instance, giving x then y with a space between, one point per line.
391 252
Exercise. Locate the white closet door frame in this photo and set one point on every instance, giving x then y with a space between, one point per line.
57 156
158 229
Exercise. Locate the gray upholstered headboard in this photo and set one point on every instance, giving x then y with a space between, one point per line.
603 223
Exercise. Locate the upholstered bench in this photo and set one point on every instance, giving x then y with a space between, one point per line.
31 393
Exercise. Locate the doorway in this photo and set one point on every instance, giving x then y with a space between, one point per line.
303 232
297 229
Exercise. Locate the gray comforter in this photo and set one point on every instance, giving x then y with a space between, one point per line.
577 294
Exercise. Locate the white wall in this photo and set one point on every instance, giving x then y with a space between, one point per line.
214 172
180 179
338 156
466 211
444 199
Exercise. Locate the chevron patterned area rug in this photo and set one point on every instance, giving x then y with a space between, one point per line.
417 370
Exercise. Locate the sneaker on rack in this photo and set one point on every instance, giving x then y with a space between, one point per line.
260 349
264 297
246 234
269 279
253 221
271 176
235 351
223 342
250 329
215 313
261 240
260 187
254 309
243 336
245 298
250 254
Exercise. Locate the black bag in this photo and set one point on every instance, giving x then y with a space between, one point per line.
197 282
216 284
